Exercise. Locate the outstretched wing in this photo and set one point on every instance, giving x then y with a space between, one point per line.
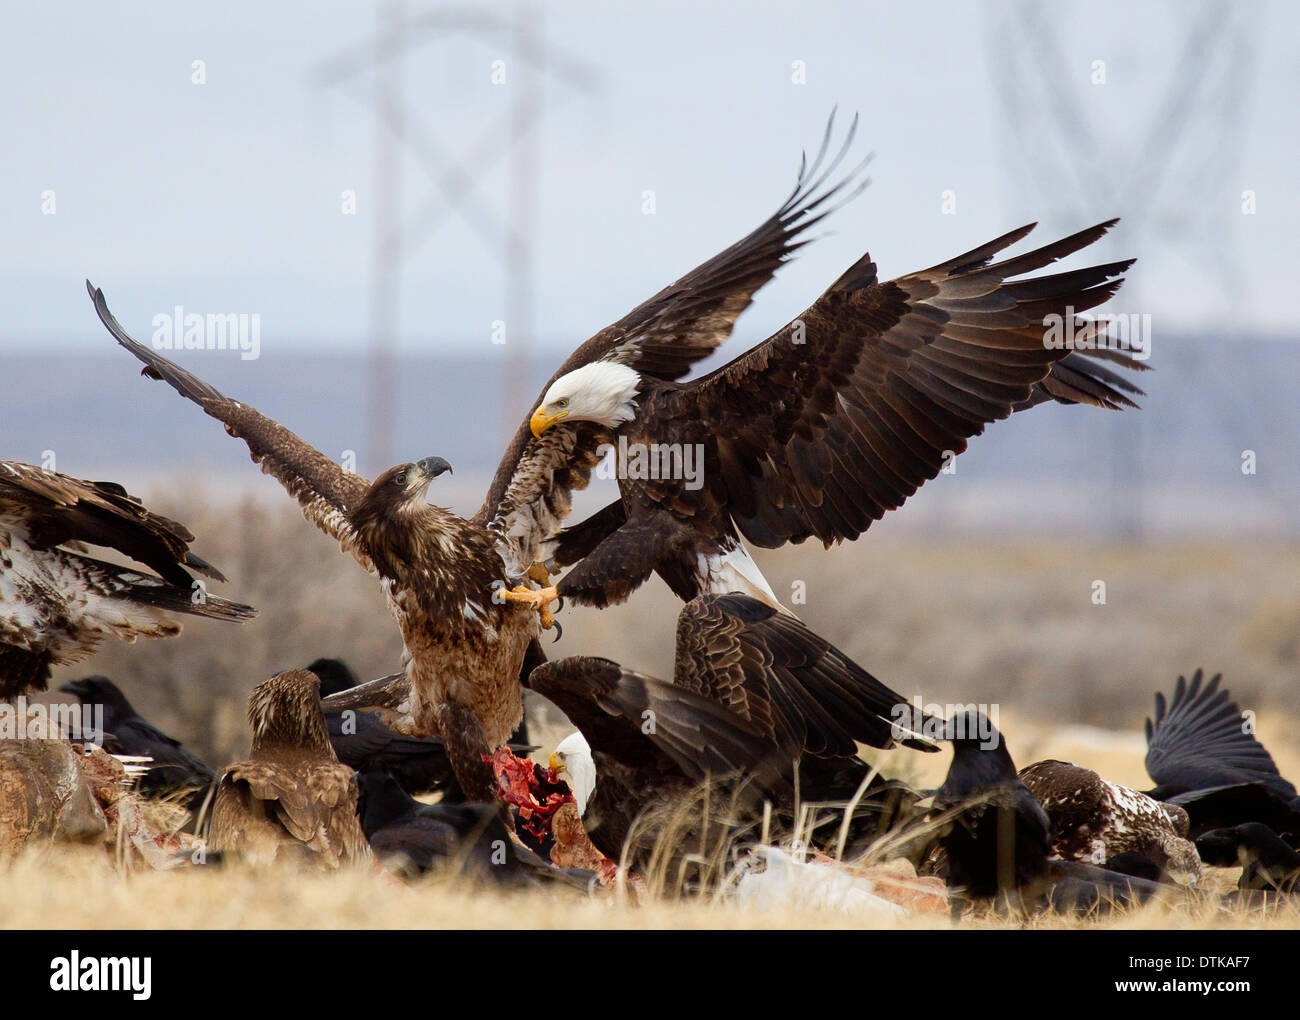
849 409
780 677
662 337
53 509
1200 740
643 723
324 490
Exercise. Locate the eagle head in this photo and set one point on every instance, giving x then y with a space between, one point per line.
400 488
602 391
572 757
285 712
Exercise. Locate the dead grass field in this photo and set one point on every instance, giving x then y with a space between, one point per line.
1005 623
79 890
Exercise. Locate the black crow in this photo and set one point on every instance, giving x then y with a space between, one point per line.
174 770
994 834
1203 756
1267 861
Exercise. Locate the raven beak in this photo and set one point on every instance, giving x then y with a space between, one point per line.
541 421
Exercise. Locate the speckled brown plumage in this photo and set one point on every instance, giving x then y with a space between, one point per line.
464 647
57 603
1094 820
292 794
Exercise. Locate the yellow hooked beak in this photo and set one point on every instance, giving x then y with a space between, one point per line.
541 421
554 763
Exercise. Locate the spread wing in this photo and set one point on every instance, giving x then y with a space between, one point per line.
1200 740
784 680
644 723
55 509
849 409
662 337
324 490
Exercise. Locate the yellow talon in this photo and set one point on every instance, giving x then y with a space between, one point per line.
538 598
539 573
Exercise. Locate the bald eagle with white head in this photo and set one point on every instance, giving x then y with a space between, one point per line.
819 430
757 700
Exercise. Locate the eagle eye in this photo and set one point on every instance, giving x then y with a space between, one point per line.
562 402
399 478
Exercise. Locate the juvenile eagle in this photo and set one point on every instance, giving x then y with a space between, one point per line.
292 794
1094 820
57 602
467 643
816 432
363 742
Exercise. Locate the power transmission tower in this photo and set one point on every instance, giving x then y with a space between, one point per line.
401 131
1051 140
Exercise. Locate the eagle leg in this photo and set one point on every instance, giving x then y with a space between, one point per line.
466 746
540 572
538 598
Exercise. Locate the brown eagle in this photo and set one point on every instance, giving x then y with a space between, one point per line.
292 793
467 639
57 602
817 431
1095 820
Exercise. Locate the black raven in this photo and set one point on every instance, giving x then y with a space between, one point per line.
174 770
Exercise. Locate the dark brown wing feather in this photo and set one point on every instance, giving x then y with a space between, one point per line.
848 410
58 508
783 679
324 490
640 721
683 323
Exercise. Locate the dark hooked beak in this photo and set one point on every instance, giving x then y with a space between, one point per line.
432 467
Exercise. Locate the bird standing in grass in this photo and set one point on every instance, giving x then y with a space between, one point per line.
292 797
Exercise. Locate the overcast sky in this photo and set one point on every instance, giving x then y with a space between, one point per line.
226 196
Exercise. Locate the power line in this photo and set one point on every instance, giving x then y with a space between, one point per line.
401 132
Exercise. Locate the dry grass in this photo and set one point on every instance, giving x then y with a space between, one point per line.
1001 622
78 888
